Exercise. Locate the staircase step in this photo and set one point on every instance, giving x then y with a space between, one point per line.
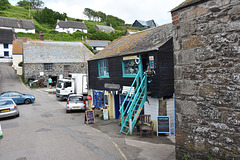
124 132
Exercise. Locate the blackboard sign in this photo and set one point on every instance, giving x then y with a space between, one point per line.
163 125
89 116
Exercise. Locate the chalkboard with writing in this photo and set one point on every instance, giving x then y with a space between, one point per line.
89 116
163 125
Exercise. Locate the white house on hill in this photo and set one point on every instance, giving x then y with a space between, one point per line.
18 25
70 26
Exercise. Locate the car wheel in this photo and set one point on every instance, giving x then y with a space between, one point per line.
67 111
18 115
27 101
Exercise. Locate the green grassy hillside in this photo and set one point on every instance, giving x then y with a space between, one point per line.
51 34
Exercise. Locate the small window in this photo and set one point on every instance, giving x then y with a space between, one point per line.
6 53
106 100
66 67
103 69
5 46
130 68
48 66
67 84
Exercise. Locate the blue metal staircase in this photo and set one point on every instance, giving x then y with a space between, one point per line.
134 103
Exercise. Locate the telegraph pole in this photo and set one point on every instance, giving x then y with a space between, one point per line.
29 11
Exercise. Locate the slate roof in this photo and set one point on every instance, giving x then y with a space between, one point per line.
144 41
97 43
55 52
187 3
71 24
16 23
130 31
106 29
18 45
149 23
6 36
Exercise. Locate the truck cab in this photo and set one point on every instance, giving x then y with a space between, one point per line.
75 84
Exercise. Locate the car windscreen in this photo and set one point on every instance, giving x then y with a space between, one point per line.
59 84
76 98
5 102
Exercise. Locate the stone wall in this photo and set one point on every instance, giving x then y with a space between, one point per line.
207 79
33 70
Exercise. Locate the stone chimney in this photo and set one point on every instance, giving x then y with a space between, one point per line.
41 36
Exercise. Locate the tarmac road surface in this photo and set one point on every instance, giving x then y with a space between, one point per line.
45 132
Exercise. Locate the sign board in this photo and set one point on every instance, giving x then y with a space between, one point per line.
105 114
89 116
163 125
129 57
112 86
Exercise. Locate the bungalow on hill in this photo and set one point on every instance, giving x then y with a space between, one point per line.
42 59
106 29
144 24
70 26
97 45
18 25
137 64
6 43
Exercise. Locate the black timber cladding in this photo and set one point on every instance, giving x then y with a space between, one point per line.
162 83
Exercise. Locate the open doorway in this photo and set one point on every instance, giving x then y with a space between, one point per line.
54 80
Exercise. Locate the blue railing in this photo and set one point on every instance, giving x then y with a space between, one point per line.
135 101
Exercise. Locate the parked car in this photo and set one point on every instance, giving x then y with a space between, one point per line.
8 108
75 102
18 98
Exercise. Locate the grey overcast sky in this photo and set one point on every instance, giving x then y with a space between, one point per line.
127 10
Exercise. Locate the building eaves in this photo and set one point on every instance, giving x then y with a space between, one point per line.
187 3
147 40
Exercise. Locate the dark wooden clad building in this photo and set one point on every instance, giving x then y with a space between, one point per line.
115 67
161 84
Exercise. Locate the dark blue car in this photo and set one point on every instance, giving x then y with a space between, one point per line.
18 98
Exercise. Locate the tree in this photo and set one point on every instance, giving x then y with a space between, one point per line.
24 4
4 4
36 4
102 16
88 12
49 16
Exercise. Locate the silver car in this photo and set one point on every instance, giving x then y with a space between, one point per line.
8 108
75 102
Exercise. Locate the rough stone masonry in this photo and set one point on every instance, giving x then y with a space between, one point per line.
207 79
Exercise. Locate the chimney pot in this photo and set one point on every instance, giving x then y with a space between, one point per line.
41 36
